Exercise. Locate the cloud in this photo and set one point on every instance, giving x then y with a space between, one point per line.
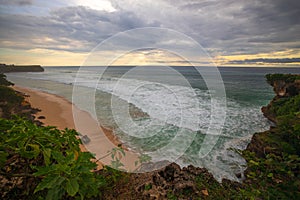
69 28
97 5
266 61
16 2
225 27
229 26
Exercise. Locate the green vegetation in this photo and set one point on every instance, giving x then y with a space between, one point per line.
47 158
46 163
287 78
273 156
12 102
9 100
286 106
215 190
4 81
273 168
20 68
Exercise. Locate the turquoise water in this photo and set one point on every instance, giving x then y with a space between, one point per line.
169 111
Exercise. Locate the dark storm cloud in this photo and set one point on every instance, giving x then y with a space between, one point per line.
70 28
16 2
229 26
262 23
266 61
241 26
222 27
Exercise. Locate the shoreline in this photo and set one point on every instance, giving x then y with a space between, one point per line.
59 112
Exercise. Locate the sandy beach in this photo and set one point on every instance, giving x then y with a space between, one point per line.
58 111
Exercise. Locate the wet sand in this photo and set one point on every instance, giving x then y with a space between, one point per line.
58 111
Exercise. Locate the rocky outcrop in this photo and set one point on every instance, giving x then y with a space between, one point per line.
20 68
273 156
175 180
172 182
284 89
13 103
284 86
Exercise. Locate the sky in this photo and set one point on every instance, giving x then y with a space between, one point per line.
231 32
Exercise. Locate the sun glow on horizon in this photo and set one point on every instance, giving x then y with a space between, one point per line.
48 57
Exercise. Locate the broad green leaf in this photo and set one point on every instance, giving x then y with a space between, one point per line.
116 164
58 156
43 170
253 162
55 193
72 187
49 182
70 158
122 151
62 159
36 149
47 155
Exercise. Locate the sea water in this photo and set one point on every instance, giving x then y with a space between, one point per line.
168 116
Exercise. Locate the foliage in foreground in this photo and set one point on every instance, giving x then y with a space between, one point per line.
9 100
4 81
274 164
287 78
45 162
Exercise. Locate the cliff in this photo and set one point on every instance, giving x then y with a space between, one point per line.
273 160
273 156
20 68
285 86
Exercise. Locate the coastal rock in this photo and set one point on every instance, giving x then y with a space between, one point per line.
20 68
13 103
270 153
257 145
152 166
284 86
175 180
284 89
268 114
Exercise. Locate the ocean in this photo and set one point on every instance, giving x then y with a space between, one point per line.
166 114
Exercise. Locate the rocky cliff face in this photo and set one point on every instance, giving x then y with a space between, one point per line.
284 86
273 156
264 155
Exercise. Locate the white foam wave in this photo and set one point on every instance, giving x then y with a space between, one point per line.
180 106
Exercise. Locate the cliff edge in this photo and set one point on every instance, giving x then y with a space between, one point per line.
20 68
273 160
285 86
273 156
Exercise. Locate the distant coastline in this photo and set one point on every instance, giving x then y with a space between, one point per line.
20 68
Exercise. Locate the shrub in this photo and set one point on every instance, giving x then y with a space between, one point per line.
288 78
50 158
3 81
